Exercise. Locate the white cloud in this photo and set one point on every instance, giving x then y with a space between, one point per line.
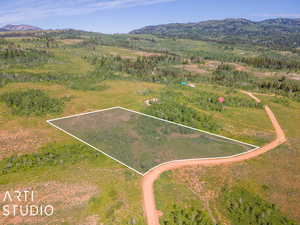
20 10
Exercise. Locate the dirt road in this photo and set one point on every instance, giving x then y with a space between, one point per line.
150 210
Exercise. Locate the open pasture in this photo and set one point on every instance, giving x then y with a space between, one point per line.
142 142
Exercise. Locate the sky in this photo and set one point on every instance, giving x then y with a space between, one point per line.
122 16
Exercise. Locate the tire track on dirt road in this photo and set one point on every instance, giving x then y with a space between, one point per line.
152 214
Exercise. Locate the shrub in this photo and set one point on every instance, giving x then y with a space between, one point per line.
150 68
226 75
28 56
210 101
51 155
32 102
281 100
243 207
185 216
225 67
3 41
172 107
272 62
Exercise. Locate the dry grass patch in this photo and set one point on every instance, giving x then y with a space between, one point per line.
21 141
193 68
71 41
62 196
91 220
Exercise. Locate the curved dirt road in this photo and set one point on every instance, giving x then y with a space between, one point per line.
150 210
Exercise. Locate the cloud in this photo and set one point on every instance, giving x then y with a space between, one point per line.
280 15
19 10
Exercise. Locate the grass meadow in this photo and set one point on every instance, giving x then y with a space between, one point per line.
86 187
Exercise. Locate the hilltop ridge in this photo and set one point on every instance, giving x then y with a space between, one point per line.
271 32
21 27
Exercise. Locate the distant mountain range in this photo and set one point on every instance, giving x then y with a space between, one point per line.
272 32
21 27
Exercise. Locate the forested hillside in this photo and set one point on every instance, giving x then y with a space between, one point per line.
272 33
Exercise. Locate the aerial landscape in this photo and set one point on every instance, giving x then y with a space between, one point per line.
182 119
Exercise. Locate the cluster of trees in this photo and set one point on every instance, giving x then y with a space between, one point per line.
243 207
141 64
235 101
152 68
3 41
223 56
281 100
272 63
280 84
83 83
228 76
29 56
179 107
32 102
6 78
42 42
48 156
186 216
173 107
263 61
66 34
210 101
107 40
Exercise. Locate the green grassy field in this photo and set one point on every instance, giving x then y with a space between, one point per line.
268 178
78 182
178 204
143 142
83 69
34 133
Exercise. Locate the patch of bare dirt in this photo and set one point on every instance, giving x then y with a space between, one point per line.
295 76
62 196
160 213
21 141
71 41
290 75
189 176
212 64
239 67
194 68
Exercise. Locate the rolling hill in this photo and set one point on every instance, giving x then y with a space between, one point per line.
272 32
